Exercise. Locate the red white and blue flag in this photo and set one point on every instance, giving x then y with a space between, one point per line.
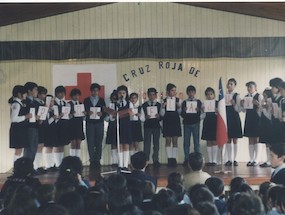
221 133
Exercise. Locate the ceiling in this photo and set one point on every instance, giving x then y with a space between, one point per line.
15 12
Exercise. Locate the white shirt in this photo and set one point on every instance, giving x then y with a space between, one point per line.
59 101
15 110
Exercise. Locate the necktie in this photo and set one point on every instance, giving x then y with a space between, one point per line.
76 103
61 103
151 103
122 103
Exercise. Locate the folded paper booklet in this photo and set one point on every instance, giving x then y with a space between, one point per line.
94 111
248 104
171 104
191 107
152 111
66 111
33 112
79 110
55 110
228 99
48 101
42 112
209 106
134 117
276 110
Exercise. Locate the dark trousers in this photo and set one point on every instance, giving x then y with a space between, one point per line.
95 134
155 133
33 141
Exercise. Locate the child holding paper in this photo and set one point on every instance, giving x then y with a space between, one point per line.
77 113
95 124
250 103
210 126
151 118
111 137
136 124
18 115
233 121
125 128
170 112
43 123
191 110
265 123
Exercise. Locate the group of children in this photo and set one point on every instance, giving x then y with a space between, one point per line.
32 128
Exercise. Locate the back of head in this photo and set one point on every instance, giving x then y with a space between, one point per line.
175 177
246 204
55 209
164 199
196 161
139 160
45 193
71 162
73 202
119 199
201 195
23 167
236 184
62 188
275 82
207 208
22 204
96 201
281 199
179 191
245 188
272 195
215 185
117 182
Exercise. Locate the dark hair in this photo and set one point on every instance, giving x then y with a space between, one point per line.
16 90
250 83
178 190
236 184
55 209
275 82
59 89
116 182
134 94
62 188
42 90
268 93
247 204
71 162
278 149
22 204
119 199
196 161
209 89
282 85
23 167
281 199
175 177
151 90
95 86
183 209
170 87
74 92
215 185
30 86
114 94
245 188
96 201
190 88
164 199
200 195
263 189
207 208
45 193
137 196
272 195
73 202
139 160
232 80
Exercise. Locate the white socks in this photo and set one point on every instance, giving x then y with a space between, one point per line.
78 153
229 151
251 152
72 152
121 159
256 149
16 157
126 155
38 160
174 152
215 151
235 152
49 160
209 151
169 151
58 156
114 156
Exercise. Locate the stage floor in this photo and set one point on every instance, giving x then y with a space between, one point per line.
253 175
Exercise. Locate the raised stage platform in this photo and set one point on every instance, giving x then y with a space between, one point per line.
253 175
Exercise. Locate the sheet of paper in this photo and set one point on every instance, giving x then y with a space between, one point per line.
228 99
248 103
95 110
33 112
48 101
42 112
191 107
134 117
171 104
66 111
152 111
55 110
276 110
79 109
209 106
112 106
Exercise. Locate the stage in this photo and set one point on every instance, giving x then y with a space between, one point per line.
253 175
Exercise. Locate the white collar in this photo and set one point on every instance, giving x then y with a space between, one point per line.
57 100
18 100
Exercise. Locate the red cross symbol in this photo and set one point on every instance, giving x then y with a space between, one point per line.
84 80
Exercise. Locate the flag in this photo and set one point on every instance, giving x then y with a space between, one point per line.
221 133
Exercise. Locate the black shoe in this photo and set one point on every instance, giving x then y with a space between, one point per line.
41 171
249 163
185 163
208 164
174 162
253 163
235 163
169 162
34 173
213 164
228 163
53 169
265 164
156 164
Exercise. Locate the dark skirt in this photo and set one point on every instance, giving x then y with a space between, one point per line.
136 131
233 123
58 134
18 135
76 128
171 124
251 123
111 137
125 130
278 131
43 133
264 129
209 127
